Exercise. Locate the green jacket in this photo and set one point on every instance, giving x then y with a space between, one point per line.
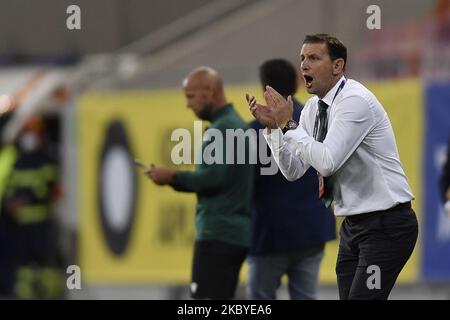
223 190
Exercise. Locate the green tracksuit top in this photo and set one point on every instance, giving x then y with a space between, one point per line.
224 190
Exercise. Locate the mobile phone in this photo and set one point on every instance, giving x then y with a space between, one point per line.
140 164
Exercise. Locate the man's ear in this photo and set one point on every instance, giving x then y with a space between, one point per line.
338 66
208 92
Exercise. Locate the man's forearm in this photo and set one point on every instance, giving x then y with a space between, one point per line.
207 179
284 153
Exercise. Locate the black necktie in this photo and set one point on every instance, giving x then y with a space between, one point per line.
324 183
323 121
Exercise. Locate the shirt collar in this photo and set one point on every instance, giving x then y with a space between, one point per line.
221 112
328 99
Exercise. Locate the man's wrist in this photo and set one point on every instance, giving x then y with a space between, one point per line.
271 126
172 178
283 124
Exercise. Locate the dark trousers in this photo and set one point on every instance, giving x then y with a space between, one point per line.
373 249
7 253
215 269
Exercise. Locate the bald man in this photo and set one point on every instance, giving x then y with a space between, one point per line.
224 191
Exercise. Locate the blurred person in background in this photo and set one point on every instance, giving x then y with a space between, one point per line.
223 191
29 191
289 234
445 182
8 156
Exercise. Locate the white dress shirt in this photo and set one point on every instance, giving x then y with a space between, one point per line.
359 153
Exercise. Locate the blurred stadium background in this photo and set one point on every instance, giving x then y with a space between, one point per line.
110 92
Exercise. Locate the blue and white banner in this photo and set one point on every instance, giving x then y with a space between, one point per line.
436 233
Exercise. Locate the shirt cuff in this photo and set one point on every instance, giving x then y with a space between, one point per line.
301 139
274 138
176 180
298 135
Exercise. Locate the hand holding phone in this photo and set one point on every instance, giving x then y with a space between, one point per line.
142 165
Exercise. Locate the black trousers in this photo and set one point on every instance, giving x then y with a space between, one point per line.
215 269
373 249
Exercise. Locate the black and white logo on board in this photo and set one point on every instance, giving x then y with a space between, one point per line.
117 189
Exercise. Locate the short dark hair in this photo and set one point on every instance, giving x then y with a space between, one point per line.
336 48
280 74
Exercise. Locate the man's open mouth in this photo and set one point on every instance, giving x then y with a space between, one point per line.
308 80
